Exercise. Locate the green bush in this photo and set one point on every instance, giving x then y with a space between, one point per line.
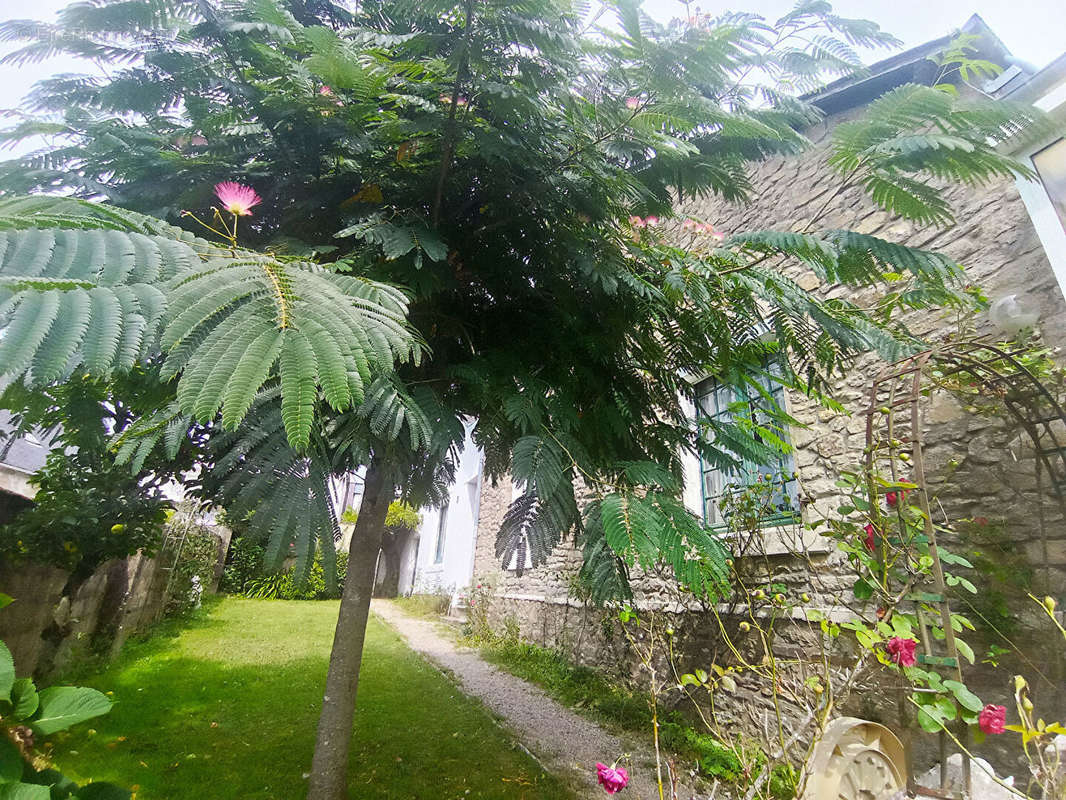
27 718
84 514
286 586
198 556
244 563
399 515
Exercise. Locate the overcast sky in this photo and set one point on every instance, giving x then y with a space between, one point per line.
1032 29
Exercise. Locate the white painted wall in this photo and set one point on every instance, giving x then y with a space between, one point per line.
419 569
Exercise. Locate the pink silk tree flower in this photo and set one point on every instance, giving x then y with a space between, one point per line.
611 779
237 198
901 651
632 103
992 719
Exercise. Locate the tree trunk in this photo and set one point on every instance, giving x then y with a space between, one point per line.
392 546
329 768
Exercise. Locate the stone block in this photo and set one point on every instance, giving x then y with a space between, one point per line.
37 589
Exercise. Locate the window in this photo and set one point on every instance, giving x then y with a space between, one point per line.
1050 165
442 526
722 403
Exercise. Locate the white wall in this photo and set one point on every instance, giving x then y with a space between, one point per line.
456 567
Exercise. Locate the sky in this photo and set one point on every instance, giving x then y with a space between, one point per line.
1033 30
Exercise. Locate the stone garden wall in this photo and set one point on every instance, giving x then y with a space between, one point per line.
48 628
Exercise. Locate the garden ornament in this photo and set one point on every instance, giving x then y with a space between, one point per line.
856 760
196 591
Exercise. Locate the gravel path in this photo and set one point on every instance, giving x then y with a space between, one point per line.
568 745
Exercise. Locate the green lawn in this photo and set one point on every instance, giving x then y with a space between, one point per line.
227 708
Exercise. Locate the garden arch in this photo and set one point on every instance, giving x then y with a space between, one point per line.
1011 378
1004 373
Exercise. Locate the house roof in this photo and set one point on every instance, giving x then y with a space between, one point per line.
23 453
1041 81
915 66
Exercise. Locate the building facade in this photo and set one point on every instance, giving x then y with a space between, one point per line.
1011 238
439 558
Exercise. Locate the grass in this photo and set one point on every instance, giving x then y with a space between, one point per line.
226 708
424 605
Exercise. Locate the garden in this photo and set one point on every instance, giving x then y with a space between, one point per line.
276 248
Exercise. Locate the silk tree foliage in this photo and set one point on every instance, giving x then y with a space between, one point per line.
91 290
488 157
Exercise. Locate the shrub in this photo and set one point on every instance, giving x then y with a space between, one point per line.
198 556
244 563
27 717
399 515
285 585
84 513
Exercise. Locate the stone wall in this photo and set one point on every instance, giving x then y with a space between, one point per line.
46 629
51 624
980 468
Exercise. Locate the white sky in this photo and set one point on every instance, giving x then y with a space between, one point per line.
1034 30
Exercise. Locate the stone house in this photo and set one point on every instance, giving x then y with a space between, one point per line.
20 457
1010 237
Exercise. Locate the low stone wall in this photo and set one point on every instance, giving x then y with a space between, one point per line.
37 590
47 627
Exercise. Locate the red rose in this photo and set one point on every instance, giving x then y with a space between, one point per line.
901 651
895 498
869 541
992 719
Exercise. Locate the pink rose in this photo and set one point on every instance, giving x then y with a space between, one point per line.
611 779
901 651
992 719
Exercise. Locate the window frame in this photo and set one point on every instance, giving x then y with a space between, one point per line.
442 530
1050 229
787 462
